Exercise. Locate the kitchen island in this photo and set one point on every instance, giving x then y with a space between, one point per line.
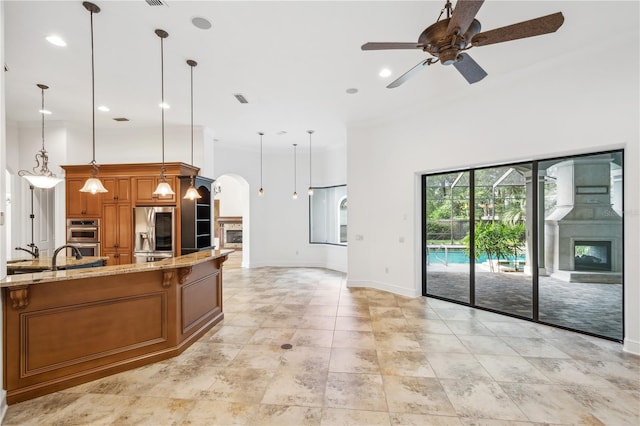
44 263
66 327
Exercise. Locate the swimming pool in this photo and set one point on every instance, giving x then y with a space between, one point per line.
456 254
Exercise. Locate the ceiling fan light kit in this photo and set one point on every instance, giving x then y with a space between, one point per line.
447 39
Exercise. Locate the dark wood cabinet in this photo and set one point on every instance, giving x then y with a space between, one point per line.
196 216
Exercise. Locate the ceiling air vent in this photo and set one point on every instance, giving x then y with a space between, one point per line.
156 2
121 119
240 97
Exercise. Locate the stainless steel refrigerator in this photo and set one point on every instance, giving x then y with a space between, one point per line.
154 233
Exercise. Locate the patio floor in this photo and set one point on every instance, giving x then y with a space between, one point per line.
590 307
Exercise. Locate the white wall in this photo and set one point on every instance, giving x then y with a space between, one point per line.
566 105
3 227
279 229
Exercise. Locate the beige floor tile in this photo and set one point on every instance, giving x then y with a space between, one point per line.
361 357
418 395
296 387
355 391
337 416
353 339
311 337
206 413
351 360
283 415
482 399
404 363
408 419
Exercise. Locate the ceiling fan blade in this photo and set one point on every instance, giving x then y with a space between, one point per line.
407 75
470 70
463 15
390 45
533 27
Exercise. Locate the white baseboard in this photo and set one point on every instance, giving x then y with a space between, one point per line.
402 291
631 346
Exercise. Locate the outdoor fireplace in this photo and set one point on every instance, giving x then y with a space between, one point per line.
592 255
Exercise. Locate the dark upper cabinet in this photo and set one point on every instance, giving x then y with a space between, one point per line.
196 216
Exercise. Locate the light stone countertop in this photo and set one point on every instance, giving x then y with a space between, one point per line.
44 262
71 274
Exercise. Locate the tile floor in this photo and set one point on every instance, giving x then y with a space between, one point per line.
359 357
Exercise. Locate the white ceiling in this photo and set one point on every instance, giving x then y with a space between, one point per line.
292 60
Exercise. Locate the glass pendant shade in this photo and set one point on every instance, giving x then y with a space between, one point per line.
42 181
93 185
295 195
261 192
310 191
192 194
43 178
164 189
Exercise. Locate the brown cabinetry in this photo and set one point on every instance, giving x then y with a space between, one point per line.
81 204
117 233
144 186
128 186
119 190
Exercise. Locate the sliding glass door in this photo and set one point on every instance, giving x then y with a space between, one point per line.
540 240
447 229
502 273
580 234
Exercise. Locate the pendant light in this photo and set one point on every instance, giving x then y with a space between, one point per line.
295 193
192 193
261 190
43 178
163 187
310 187
93 184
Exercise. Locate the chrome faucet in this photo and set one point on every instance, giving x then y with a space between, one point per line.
35 252
75 250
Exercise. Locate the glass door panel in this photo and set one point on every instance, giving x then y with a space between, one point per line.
503 279
447 232
580 243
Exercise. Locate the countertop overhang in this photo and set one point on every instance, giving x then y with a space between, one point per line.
71 274
45 262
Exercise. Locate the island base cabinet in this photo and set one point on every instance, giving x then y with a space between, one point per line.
63 333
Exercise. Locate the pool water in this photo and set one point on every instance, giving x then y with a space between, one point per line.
459 256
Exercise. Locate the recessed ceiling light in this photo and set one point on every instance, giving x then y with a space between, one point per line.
201 23
352 90
281 133
45 112
104 108
56 40
164 105
384 72
121 119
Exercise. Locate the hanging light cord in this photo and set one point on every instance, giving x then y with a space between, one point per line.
191 66
295 148
42 113
310 174
93 103
162 170
261 134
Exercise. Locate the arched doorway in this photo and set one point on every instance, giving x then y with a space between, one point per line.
231 218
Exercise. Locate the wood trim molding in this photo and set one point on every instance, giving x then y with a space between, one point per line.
19 297
167 277
183 274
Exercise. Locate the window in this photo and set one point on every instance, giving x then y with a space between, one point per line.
328 215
